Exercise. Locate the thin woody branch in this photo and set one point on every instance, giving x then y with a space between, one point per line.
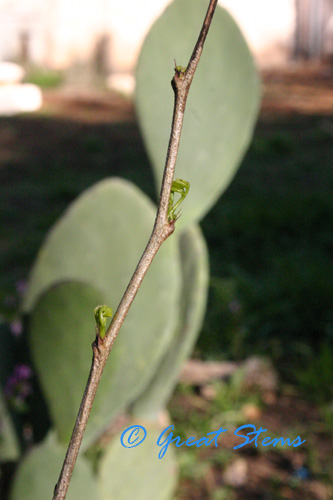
181 83
163 228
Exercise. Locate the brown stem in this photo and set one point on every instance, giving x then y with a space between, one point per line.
181 83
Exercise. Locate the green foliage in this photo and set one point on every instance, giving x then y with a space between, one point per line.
227 310
39 472
102 313
227 407
108 224
180 187
223 493
138 472
62 329
9 446
194 265
92 251
46 79
270 240
222 104
316 378
264 310
327 415
86 246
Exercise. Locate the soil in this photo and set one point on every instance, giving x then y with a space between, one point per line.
294 90
258 473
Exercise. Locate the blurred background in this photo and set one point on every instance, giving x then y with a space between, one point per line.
265 353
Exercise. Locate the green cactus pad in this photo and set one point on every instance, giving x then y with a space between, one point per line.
222 105
194 258
62 329
104 254
138 472
38 473
61 333
9 446
99 241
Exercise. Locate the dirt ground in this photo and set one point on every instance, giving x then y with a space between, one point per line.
255 473
295 90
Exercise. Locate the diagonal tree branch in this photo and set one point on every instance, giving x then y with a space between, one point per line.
163 228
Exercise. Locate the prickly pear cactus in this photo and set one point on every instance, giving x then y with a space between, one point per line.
222 105
87 260
62 329
38 473
9 445
195 275
140 474
99 241
90 254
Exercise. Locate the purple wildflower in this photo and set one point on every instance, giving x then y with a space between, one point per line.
234 306
16 327
18 387
21 287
